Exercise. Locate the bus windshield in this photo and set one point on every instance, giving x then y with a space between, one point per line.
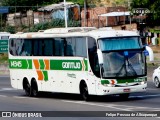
123 57
117 64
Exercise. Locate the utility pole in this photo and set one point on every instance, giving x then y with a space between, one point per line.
85 12
65 14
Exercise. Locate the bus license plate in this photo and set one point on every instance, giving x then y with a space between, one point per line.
126 90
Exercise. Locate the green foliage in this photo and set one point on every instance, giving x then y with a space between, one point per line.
30 3
121 2
10 29
81 2
53 24
3 58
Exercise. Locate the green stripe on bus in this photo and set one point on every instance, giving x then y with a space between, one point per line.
29 64
131 80
74 65
104 82
121 81
86 65
45 73
41 62
20 64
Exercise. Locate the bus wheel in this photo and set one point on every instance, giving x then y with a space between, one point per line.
27 88
34 89
84 91
124 96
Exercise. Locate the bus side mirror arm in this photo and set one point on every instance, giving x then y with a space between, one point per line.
151 55
100 60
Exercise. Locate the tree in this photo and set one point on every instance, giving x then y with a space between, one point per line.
121 2
29 3
81 2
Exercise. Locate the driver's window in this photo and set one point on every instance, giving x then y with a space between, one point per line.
93 57
96 68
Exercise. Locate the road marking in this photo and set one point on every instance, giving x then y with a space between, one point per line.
113 106
4 76
3 96
19 97
144 96
7 89
92 104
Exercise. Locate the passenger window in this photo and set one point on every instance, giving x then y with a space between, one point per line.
59 47
48 47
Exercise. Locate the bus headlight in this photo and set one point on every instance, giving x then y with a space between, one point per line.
142 83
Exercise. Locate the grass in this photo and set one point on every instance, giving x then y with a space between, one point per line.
3 58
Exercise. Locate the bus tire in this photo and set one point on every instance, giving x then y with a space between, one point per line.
27 87
84 91
34 89
124 96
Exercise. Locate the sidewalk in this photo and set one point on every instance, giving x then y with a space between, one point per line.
156 50
4 69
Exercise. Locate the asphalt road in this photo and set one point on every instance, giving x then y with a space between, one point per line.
15 100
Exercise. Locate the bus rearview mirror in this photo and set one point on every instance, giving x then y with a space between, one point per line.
100 56
150 51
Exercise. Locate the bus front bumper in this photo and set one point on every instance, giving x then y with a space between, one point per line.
103 90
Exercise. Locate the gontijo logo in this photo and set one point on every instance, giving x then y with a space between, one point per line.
73 65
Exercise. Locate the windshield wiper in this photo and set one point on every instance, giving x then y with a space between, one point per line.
130 67
123 66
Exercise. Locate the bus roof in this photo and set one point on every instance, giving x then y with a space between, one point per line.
76 31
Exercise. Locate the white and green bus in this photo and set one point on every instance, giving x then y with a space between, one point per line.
86 61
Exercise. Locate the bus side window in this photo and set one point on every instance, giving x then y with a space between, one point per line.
35 47
69 45
81 49
26 47
48 47
59 46
11 47
75 46
38 47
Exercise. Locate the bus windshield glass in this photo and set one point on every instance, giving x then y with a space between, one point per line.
119 43
123 57
117 64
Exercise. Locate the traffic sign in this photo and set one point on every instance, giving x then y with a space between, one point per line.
3 42
4 9
3 49
141 10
